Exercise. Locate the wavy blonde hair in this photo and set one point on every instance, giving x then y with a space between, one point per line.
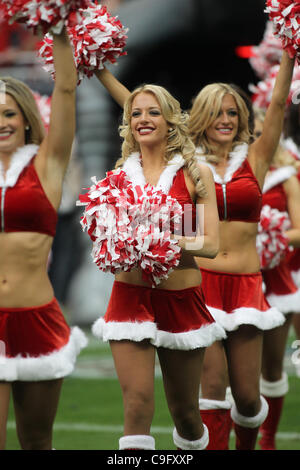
205 109
178 139
25 100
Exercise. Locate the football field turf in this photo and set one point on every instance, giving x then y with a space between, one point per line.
90 413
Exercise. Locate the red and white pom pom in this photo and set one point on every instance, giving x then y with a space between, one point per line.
156 215
285 15
271 242
107 222
267 54
262 92
95 36
129 226
41 15
44 105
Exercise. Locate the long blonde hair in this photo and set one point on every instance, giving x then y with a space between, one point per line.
25 100
205 109
178 139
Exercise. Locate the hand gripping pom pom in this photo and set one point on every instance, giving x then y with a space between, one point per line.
271 242
95 36
130 227
285 15
41 15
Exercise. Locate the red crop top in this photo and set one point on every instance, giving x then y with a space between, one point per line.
274 194
25 206
180 192
240 199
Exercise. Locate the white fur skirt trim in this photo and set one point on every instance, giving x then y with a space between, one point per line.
285 303
138 331
55 365
262 319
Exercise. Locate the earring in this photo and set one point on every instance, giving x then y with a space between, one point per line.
27 128
170 129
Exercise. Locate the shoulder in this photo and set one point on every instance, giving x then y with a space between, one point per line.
205 170
292 185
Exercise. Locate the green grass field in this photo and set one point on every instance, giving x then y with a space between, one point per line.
90 414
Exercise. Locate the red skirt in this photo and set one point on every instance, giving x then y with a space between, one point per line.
174 319
293 260
280 289
236 299
36 343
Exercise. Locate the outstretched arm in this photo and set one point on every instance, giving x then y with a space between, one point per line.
56 149
115 88
263 149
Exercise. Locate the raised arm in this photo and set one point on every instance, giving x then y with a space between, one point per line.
263 149
56 148
115 88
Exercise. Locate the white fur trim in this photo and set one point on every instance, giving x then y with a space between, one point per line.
185 444
264 320
290 145
137 442
285 303
201 338
138 331
236 158
250 421
52 366
280 175
134 331
19 161
133 168
206 404
275 389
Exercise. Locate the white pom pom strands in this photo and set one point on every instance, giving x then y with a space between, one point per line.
41 15
130 226
271 242
95 36
285 15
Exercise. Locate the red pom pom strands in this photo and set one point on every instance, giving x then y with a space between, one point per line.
271 242
130 227
285 15
41 15
95 36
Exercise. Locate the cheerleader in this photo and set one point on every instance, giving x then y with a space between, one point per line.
38 348
281 191
232 282
170 319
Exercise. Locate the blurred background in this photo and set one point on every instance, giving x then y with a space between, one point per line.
179 44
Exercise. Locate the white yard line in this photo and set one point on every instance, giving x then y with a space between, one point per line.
88 427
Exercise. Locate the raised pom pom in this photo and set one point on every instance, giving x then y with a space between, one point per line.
41 15
130 227
271 242
95 36
262 91
285 15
